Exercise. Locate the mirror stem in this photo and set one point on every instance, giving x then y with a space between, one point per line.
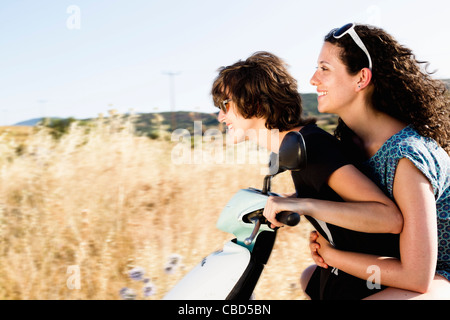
266 185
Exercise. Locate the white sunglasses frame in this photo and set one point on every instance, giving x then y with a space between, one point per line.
352 32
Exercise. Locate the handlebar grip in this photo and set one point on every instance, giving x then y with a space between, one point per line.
288 218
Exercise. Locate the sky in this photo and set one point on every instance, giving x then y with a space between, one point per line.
80 58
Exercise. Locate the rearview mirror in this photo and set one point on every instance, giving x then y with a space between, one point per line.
291 155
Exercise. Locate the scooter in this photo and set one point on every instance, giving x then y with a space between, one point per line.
233 272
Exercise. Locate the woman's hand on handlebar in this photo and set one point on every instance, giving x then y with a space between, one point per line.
275 205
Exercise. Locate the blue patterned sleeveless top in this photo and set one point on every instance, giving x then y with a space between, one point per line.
434 163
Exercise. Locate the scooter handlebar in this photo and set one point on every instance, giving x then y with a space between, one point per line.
288 218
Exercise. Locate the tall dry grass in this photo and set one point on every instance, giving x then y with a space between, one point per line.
106 201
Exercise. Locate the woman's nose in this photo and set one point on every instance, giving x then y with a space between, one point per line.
221 116
314 81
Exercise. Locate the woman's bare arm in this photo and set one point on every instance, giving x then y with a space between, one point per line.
366 207
418 239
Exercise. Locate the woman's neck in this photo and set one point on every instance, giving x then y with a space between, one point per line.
373 128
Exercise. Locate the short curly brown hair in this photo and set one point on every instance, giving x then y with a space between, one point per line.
402 89
262 87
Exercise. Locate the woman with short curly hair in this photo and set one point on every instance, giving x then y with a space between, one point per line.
394 116
262 87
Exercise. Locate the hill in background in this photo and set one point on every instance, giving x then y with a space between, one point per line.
152 124
32 122
149 123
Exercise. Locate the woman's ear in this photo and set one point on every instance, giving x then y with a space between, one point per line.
365 76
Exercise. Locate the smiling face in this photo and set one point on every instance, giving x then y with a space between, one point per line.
336 88
239 129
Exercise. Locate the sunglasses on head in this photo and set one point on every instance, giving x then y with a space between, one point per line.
350 29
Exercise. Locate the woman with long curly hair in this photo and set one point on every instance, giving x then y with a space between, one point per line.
394 118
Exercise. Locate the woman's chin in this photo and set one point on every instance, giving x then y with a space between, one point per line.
234 137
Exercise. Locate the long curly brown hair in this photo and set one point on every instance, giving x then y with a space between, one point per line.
403 88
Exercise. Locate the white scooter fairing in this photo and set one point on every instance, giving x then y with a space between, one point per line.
215 276
232 273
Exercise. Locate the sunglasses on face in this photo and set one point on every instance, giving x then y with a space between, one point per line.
350 29
223 106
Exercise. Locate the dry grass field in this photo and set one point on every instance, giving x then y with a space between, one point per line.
79 213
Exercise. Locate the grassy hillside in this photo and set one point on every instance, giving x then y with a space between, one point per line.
18 133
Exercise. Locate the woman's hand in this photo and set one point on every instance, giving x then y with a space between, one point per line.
275 205
318 243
